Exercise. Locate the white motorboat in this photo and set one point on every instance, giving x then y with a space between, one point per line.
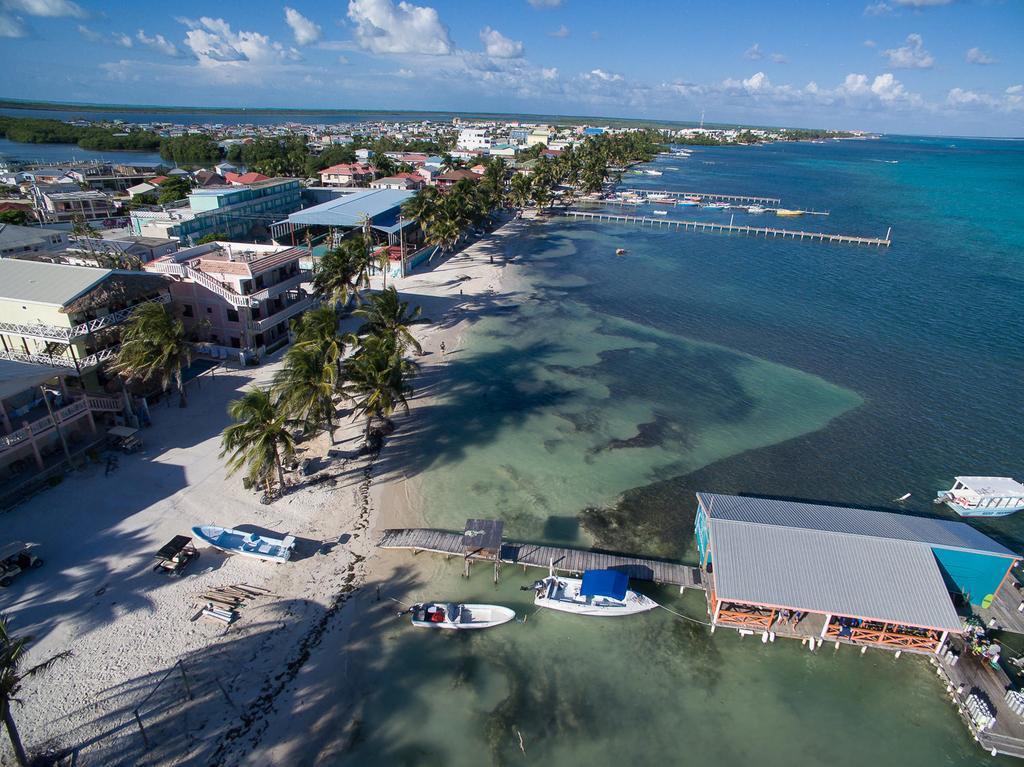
660 212
600 592
653 172
755 209
984 496
458 617
246 544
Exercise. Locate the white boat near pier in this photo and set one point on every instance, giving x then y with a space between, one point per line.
246 544
984 496
603 593
459 617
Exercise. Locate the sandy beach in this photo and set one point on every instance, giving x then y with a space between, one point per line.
277 686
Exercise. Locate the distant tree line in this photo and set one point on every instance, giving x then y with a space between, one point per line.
31 130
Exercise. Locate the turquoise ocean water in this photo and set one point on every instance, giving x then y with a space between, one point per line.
611 388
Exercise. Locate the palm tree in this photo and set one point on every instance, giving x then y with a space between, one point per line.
422 207
154 345
12 653
305 388
388 317
377 380
258 439
520 191
334 275
318 329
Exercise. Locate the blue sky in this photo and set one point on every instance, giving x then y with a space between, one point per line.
912 66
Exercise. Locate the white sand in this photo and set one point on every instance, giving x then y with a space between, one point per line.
126 626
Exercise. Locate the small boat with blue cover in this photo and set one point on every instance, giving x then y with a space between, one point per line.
600 592
246 544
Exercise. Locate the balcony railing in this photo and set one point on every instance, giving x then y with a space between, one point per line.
281 287
84 365
201 278
43 425
67 335
260 326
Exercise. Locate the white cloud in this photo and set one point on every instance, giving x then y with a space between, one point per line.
159 43
878 9
778 58
11 26
549 73
923 3
116 38
753 52
888 88
383 27
545 3
499 46
47 8
562 31
305 31
608 77
978 56
343 59
910 56
757 82
870 43
213 42
1010 100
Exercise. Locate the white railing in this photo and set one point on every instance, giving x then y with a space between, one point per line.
288 312
281 287
105 404
44 424
62 361
66 335
201 278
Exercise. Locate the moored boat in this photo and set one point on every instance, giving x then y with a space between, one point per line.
716 205
246 544
660 212
755 209
984 496
788 212
603 593
458 617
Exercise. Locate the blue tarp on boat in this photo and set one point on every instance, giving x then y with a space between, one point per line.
604 583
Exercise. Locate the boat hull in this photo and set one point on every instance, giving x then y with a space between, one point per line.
970 511
562 594
244 544
471 617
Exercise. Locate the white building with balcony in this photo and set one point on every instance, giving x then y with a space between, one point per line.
237 296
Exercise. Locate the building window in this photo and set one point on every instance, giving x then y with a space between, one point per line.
209 310
236 343
232 315
186 310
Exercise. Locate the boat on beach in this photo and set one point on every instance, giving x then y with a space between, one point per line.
983 496
602 593
458 617
246 544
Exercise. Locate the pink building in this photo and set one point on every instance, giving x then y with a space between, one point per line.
238 295
347 174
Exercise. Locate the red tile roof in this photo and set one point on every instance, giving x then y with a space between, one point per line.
245 178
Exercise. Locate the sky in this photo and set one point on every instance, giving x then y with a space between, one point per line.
953 67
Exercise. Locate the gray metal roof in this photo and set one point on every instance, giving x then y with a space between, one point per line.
44 283
855 522
16 236
349 210
875 578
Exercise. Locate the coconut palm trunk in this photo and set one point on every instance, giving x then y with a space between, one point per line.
12 733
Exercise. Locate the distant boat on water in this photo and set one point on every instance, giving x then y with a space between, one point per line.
459 617
661 213
246 544
602 593
716 205
756 209
984 496
653 172
788 212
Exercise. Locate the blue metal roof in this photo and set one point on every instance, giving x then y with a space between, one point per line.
380 205
604 583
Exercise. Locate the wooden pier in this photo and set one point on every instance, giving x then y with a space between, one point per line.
971 674
703 195
563 559
709 226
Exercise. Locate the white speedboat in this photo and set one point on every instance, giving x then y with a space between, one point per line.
716 205
755 209
653 172
660 212
246 544
600 592
458 617
984 496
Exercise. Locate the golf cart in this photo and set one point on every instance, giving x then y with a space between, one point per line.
14 558
125 439
175 555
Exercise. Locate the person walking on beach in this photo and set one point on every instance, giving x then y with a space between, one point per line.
442 351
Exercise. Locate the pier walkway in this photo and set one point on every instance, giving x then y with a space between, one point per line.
702 195
973 675
563 559
709 226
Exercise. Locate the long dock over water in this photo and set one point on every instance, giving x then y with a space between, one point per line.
563 559
745 198
710 226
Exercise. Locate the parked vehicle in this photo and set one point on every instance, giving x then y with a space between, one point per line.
15 558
